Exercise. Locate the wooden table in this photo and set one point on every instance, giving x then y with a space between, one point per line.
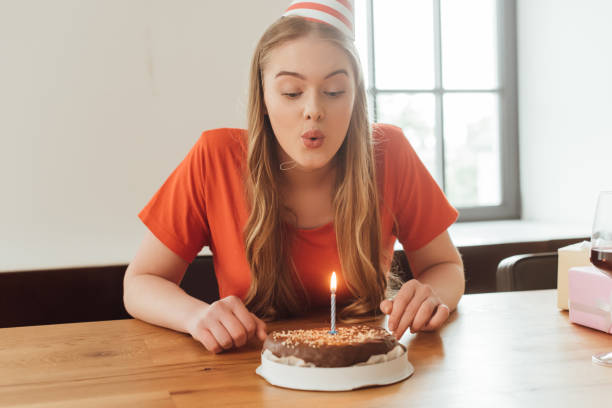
501 349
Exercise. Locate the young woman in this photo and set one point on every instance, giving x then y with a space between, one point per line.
309 188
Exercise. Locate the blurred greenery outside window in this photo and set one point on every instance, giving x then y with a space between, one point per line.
445 72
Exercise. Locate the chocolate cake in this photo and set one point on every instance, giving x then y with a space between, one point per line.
351 345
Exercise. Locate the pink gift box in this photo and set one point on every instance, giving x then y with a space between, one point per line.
590 297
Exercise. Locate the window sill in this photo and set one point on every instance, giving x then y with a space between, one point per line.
466 234
514 231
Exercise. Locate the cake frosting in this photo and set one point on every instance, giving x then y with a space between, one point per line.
351 345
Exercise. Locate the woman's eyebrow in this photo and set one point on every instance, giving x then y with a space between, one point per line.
339 71
300 76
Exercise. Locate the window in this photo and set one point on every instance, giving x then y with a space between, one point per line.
445 72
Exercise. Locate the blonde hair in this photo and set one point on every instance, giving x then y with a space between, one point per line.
272 292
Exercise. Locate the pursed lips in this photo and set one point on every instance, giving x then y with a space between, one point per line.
313 139
313 134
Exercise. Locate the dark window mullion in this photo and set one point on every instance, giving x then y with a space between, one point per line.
508 105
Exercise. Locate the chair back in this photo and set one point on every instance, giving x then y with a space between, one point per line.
527 272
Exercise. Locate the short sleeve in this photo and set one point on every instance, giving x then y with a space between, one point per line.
419 206
176 214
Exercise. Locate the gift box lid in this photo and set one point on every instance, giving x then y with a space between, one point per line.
590 271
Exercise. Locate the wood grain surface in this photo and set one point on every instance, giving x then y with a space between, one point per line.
499 349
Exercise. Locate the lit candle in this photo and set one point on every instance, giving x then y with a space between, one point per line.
333 303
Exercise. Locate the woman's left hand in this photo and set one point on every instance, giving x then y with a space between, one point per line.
417 306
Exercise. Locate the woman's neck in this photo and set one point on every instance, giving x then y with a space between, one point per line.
297 178
307 196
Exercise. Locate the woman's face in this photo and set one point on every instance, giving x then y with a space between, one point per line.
309 92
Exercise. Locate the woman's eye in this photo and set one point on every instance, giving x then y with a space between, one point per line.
291 95
334 93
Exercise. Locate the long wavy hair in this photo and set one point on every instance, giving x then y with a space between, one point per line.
357 223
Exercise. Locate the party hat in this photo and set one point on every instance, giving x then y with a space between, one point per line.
338 13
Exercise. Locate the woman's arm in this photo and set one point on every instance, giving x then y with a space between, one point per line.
424 303
439 265
151 293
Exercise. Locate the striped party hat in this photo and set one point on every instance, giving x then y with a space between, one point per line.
338 13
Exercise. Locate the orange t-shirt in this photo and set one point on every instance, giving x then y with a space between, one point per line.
203 202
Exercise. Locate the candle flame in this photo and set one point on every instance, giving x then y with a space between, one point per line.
332 284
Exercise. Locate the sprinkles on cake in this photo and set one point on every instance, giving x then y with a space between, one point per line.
321 337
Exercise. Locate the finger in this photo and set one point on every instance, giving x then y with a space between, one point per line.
386 306
399 305
246 319
424 314
261 328
221 335
438 319
235 329
410 311
205 337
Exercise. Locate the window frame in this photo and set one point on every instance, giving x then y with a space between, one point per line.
509 208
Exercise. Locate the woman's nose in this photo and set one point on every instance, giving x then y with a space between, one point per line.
313 110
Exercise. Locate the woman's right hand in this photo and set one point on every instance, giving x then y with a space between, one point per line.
225 324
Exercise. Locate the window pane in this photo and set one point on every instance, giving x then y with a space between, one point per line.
415 114
469 44
471 147
403 45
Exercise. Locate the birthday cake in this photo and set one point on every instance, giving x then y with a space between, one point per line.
352 358
349 346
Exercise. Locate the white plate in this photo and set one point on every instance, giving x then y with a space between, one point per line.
335 378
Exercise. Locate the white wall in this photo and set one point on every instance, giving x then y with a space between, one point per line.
99 101
565 107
